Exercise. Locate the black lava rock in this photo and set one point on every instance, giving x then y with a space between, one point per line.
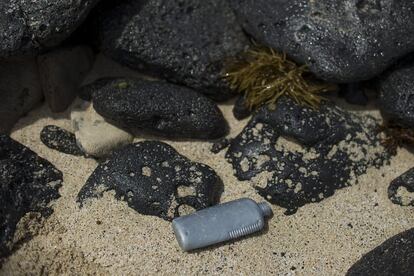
159 108
295 155
60 139
220 145
341 41
397 95
240 109
394 257
154 180
184 41
406 180
27 26
28 183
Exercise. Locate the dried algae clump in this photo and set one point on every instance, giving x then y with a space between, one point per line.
396 136
263 76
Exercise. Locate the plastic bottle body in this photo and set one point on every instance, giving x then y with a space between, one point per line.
220 223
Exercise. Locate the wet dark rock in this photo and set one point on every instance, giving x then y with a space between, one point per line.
220 145
20 90
341 41
240 109
396 192
27 26
60 139
394 257
62 72
353 93
158 108
154 179
397 95
183 41
28 183
295 155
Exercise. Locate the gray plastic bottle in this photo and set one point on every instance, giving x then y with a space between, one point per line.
220 223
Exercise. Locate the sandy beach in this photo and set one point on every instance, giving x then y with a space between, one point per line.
106 237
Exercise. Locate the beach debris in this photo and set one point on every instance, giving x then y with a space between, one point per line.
396 136
28 184
263 75
158 108
154 179
401 189
60 139
393 257
294 155
220 223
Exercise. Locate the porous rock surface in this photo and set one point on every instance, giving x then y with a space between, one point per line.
27 26
341 41
154 179
184 41
295 155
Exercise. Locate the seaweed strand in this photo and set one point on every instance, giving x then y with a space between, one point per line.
263 76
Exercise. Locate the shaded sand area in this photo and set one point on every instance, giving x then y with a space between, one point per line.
107 237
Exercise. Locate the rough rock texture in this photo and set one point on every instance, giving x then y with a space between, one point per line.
27 25
159 108
185 41
20 90
341 41
295 155
28 183
60 139
62 72
155 180
401 189
394 257
397 95
95 136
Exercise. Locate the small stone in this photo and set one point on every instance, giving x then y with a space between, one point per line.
295 155
397 95
341 41
145 175
29 27
28 184
220 145
95 136
20 90
394 257
60 139
401 189
240 109
184 41
62 72
158 108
